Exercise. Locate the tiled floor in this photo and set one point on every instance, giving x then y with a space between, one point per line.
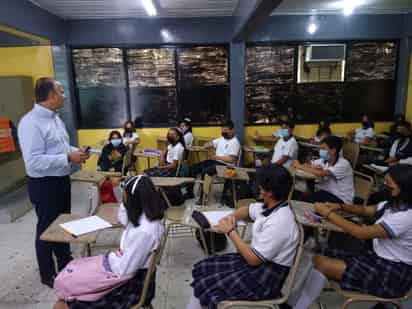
20 287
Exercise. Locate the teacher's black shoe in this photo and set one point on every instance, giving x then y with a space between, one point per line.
49 282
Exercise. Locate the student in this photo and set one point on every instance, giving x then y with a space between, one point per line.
336 183
112 154
385 269
130 137
170 161
366 133
258 270
227 148
322 132
186 128
401 149
286 148
276 135
83 280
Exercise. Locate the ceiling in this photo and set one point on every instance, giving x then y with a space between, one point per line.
85 9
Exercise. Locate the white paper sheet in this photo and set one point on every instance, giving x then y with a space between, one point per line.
85 225
380 167
95 150
214 216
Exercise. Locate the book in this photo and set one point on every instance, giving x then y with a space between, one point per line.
214 216
86 225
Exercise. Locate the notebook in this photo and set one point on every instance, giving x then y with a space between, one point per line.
85 225
214 216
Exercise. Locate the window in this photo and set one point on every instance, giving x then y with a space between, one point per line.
100 87
152 86
203 84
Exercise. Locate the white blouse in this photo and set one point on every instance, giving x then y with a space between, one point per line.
136 244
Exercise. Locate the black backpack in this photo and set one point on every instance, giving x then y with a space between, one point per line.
220 241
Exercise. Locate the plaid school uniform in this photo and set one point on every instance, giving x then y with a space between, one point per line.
368 273
160 172
229 277
122 297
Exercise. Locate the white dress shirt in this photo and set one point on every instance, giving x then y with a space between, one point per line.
44 143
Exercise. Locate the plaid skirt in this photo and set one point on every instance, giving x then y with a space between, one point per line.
368 273
229 277
160 172
122 297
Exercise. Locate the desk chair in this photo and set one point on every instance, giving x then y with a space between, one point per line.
351 152
286 290
355 297
363 186
127 160
155 258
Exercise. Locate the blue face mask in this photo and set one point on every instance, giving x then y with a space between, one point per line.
323 154
284 133
116 142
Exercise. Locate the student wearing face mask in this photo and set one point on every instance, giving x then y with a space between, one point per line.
111 158
286 148
227 149
366 133
382 269
170 160
130 137
335 172
186 128
401 149
115 280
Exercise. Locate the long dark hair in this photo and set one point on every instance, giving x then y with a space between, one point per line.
180 135
401 174
125 131
114 132
143 198
188 124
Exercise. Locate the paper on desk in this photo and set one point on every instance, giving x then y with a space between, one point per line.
214 216
380 167
85 225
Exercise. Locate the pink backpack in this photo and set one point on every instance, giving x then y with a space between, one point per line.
87 279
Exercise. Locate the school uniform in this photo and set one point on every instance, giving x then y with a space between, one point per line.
174 153
386 269
289 148
127 138
401 148
362 133
224 147
188 136
130 262
338 188
228 277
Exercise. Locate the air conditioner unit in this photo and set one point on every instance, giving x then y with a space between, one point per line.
325 53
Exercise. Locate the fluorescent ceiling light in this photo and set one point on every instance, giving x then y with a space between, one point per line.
347 6
149 7
312 28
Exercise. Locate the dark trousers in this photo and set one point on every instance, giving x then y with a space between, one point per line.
205 167
50 197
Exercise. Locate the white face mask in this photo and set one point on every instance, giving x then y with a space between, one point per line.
116 142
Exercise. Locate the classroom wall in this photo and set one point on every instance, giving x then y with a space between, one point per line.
33 61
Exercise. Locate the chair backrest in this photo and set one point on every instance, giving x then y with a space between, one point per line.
155 258
239 157
287 287
178 168
292 189
207 188
363 186
127 159
351 152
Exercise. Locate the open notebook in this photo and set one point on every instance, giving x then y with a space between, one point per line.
85 225
214 216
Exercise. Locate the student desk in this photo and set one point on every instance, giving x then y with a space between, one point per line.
88 176
164 182
54 233
372 148
302 174
299 208
308 145
109 212
258 152
196 151
241 174
201 140
139 153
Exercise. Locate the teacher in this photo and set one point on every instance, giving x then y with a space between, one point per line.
48 158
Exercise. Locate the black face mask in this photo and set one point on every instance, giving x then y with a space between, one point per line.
171 139
387 193
225 135
128 130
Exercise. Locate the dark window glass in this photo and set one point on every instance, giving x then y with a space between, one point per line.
101 87
153 106
371 61
205 105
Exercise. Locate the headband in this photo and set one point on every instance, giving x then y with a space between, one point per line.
136 180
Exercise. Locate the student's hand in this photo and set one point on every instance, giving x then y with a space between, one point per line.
78 156
333 206
225 225
231 219
296 164
323 209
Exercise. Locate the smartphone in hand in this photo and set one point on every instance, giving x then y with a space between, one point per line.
86 149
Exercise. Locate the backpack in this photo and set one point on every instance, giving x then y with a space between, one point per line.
220 241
